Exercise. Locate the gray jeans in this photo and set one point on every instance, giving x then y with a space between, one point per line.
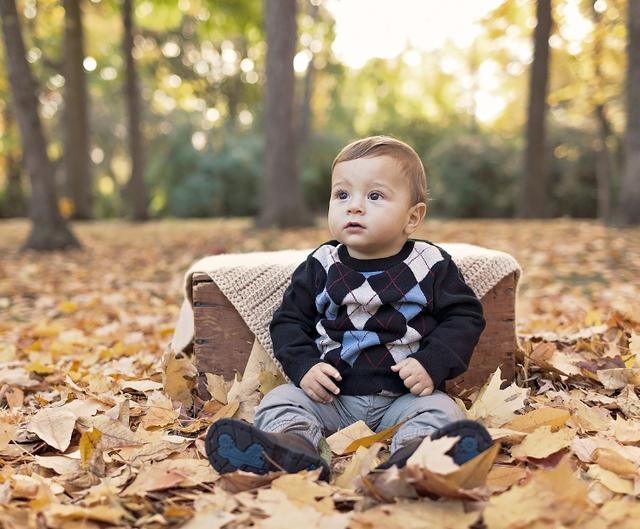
287 408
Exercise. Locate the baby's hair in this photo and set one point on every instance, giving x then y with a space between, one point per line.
403 154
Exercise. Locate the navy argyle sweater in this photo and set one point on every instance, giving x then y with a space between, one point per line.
364 315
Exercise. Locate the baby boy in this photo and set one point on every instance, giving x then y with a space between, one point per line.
370 328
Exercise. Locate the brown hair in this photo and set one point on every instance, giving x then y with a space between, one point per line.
403 154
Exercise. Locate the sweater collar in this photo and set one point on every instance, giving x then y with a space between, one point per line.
374 265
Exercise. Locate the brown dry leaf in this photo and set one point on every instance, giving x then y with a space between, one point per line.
17 376
227 411
589 419
502 477
59 464
611 480
140 385
342 439
629 403
618 378
8 430
171 473
15 398
467 482
218 387
543 442
557 496
301 490
545 416
627 432
59 515
210 520
494 406
178 378
54 426
160 411
613 461
283 513
425 514
506 436
363 461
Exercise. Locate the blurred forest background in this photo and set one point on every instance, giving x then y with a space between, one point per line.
198 108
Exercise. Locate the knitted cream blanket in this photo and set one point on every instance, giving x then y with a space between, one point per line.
255 282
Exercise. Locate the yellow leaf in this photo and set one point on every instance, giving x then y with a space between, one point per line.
7 432
88 442
367 441
614 462
39 368
269 380
227 411
66 207
67 307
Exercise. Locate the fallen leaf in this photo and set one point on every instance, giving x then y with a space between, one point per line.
363 461
179 379
218 387
54 426
502 477
543 442
494 406
369 440
530 421
342 439
171 473
611 480
431 455
160 411
426 514
59 464
615 462
556 496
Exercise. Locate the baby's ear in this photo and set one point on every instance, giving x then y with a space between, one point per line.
416 215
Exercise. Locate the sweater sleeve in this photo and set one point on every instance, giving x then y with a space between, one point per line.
292 328
446 351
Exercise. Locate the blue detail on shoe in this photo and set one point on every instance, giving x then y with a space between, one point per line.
466 449
251 456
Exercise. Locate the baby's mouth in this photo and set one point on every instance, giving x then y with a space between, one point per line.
353 225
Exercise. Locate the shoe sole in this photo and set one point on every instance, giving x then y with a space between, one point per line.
466 430
235 445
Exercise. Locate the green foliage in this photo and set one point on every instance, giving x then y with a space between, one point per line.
472 175
220 180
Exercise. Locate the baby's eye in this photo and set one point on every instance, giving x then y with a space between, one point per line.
374 195
342 195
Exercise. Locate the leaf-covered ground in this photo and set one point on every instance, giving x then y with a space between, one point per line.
93 434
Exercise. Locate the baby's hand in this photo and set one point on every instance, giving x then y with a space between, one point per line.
414 376
317 384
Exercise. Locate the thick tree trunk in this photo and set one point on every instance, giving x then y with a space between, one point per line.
138 197
283 203
14 203
629 208
76 116
49 230
534 191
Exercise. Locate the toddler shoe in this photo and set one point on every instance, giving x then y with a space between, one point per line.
474 439
232 445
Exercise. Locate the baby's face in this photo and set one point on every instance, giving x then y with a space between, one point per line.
370 209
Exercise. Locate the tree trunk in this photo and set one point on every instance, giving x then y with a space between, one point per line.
534 191
629 207
303 133
15 203
136 187
49 231
76 116
283 203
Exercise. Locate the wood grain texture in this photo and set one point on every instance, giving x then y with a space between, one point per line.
222 340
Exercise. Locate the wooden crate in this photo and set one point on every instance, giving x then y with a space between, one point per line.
222 340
